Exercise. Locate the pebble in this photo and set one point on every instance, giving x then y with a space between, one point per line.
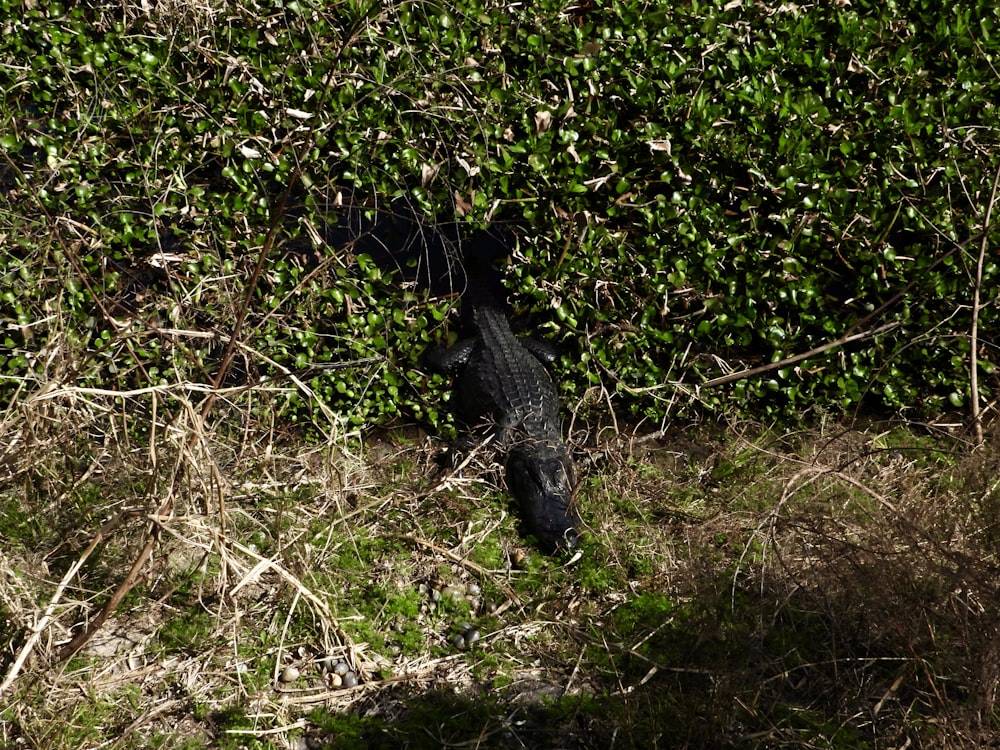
467 637
468 592
289 674
339 673
438 592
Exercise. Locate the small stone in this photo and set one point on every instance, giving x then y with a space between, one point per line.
473 590
489 607
471 636
350 680
341 668
435 595
458 640
336 680
328 663
289 674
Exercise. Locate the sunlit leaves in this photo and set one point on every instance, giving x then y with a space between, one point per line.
698 186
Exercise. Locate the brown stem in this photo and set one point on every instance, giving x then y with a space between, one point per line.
723 379
977 422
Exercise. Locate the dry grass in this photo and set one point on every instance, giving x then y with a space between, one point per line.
832 589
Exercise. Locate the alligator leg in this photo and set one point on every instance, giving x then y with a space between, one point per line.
450 361
543 350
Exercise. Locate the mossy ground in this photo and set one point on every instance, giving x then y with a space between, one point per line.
737 588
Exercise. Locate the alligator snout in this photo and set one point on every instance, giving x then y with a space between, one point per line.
540 476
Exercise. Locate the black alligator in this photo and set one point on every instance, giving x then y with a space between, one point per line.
502 380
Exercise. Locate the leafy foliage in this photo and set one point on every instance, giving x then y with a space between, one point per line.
699 186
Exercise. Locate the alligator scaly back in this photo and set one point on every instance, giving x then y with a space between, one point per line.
505 381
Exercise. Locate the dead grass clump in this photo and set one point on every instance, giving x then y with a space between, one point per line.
879 543
194 17
117 522
736 589
836 587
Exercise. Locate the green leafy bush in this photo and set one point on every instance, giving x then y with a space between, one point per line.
699 187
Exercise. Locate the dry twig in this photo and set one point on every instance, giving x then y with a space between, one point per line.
977 423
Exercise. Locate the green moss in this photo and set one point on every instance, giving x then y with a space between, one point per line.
20 528
595 572
346 731
188 631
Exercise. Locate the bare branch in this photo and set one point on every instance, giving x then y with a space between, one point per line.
977 422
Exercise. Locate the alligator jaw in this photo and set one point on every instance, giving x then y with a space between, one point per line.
540 477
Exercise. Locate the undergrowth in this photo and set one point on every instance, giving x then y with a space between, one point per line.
692 195
736 588
228 236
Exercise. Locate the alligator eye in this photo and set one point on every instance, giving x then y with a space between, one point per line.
555 478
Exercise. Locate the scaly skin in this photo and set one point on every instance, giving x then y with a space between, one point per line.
504 381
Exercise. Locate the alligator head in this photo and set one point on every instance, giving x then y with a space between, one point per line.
540 477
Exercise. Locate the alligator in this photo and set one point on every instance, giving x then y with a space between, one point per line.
501 379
